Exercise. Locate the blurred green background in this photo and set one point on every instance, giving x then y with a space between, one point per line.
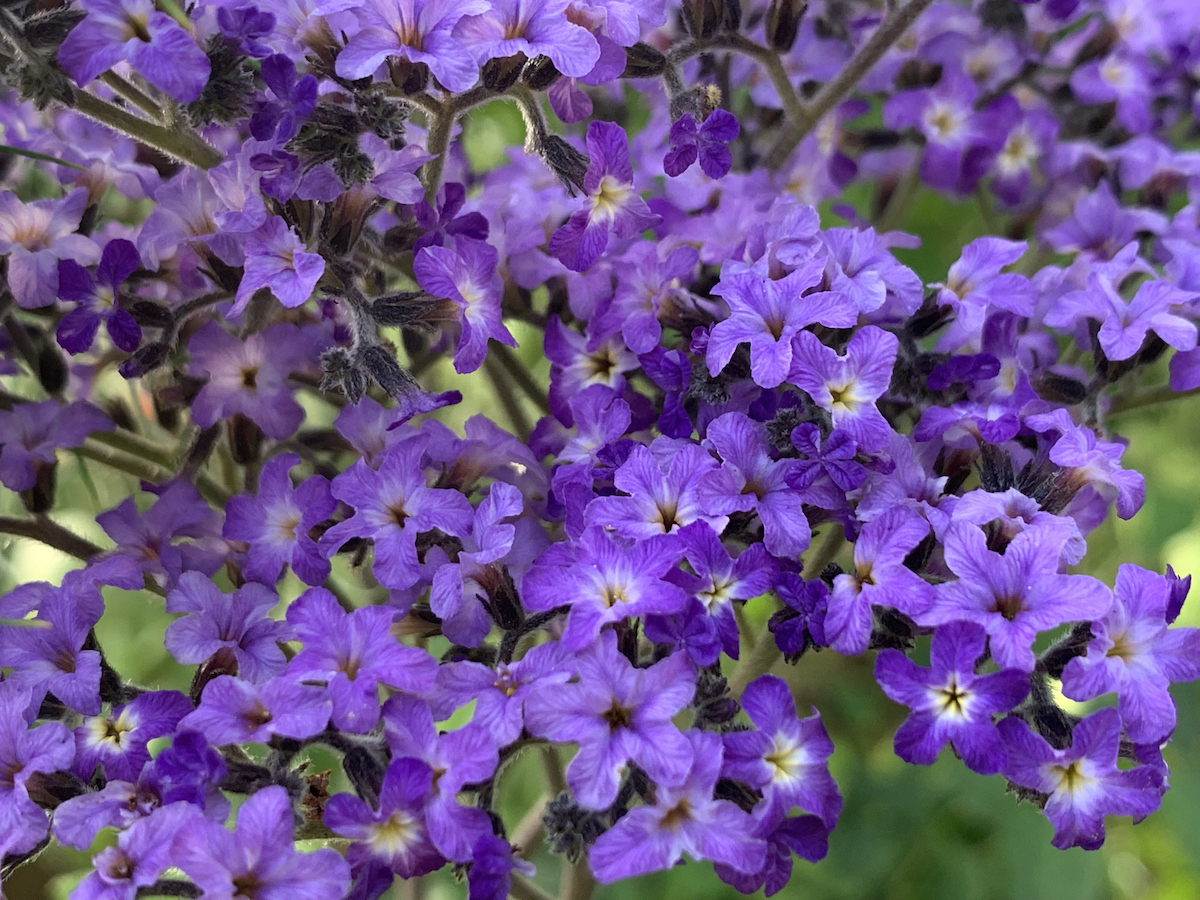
907 833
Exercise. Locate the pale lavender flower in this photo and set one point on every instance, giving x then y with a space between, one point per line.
277 259
532 27
35 236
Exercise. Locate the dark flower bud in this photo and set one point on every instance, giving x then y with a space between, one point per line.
567 163
643 61
783 23
570 828
731 15
918 73
1004 15
929 318
48 28
227 92
412 78
407 309
388 374
145 359
540 73
702 18
995 469
500 74
149 314
381 116
891 630
40 498
365 773
51 367
1061 389
1074 643
245 439
1098 44
738 792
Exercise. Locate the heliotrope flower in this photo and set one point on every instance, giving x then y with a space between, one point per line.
787 758
419 31
235 625
392 505
277 259
249 376
233 711
612 205
134 31
532 27
118 741
354 653
143 852
646 286
35 236
1158 306
879 578
1082 782
276 521
1134 653
848 385
467 276
31 433
295 98
1014 595
683 819
394 833
707 142
768 314
259 855
23 752
96 296
950 703
617 715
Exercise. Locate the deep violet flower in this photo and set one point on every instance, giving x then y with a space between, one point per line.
612 206
260 851
617 714
276 521
707 142
949 702
135 31
31 433
1134 653
23 752
143 852
234 711
1082 782
96 296
118 741
684 819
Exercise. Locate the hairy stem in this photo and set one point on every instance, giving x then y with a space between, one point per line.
890 30
524 889
183 145
520 376
133 94
1153 397
50 533
764 56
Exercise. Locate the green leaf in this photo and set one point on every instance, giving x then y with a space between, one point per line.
40 157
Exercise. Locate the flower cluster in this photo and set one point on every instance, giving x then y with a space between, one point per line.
752 415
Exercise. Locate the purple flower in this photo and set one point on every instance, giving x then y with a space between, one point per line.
1157 307
1121 78
35 236
1013 595
880 578
847 386
150 41
825 473
1095 463
1100 225
976 281
416 30
864 269
769 314
532 27
395 833
662 498
787 758
465 756
492 864
24 751
801 624
646 286
249 376
143 852
617 714
500 694
1082 781
574 368
707 142
683 819
30 433
749 480
150 539
354 653
445 222
244 25
233 711
1133 653
259 855
97 298
604 581
232 625
467 275
276 259
392 505
806 836
949 702
118 741
1011 512
276 522
613 206
295 98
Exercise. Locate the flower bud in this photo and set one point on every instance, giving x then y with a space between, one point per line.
540 73
783 23
501 74
643 61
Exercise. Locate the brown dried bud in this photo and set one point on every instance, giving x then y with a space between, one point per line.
783 23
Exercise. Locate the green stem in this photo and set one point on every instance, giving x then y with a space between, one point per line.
1152 397
147 470
50 533
133 94
183 145
577 881
524 889
890 30
520 376
512 406
136 445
